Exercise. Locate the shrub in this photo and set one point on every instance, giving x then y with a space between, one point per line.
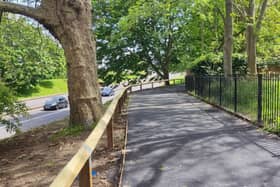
212 64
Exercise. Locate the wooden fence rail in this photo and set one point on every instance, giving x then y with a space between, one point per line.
80 164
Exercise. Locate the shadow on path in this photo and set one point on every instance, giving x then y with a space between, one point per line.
176 140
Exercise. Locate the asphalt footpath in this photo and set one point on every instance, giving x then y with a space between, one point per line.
175 140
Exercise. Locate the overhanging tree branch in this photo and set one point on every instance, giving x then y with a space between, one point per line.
34 13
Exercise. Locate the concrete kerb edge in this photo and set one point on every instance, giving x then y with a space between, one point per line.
124 150
42 97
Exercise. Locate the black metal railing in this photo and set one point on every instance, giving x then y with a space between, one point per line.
256 97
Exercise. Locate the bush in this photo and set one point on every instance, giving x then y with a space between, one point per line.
10 108
212 64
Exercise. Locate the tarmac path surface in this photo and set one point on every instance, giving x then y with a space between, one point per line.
175 140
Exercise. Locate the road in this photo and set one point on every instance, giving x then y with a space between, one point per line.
38 117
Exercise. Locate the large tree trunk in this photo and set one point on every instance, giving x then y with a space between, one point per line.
84 94
228 41
74 33
251 50
70 22
253 32
251 42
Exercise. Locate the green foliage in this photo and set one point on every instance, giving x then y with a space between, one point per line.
68 131
132 36
28 54
113 56
10 108
135 36
211 64
44 88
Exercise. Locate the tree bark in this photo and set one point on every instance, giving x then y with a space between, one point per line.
70 22
251 50
228 40
252 34
251 43
84 94
165 72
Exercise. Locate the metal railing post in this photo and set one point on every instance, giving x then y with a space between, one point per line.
186 86
194 85
209 87
220 91
235 93
260 98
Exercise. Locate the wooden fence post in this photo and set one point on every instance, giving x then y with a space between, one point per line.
110 140
85 178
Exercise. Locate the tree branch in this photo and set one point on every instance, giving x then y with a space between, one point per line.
261 16
241 12
219 11
21 9
154 67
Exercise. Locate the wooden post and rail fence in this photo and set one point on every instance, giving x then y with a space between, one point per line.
80 164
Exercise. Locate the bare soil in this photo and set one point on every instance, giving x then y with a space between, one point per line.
34 158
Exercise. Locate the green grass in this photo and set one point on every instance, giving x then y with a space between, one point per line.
68 131
45 88
247 99
177 81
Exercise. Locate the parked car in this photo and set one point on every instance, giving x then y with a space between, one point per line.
56 103
107 91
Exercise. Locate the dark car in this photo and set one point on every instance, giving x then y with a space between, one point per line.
56 102
107 91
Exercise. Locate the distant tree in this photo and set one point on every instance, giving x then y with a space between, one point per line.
153 31
27 54
70 22
115 61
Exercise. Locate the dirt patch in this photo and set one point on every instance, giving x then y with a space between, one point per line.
35 158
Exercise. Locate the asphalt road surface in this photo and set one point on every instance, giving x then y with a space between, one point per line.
38 117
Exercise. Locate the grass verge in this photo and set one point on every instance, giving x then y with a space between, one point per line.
45 88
